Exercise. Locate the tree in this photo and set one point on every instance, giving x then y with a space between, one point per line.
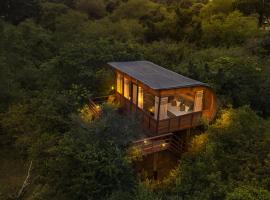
167 53
216 7
126 9
49 14
237 80
88 156
68 27
229 30
261 7
95 9
84 64
187 21
15 11
235 153
248 193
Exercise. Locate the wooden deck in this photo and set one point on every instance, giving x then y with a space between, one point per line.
174 124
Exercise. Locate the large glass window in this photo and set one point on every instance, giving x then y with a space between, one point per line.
140 97
119 83
126 88
163 107
148 102
185 102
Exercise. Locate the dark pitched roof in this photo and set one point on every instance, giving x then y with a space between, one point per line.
154 76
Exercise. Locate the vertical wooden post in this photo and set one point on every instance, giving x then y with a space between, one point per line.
115 82
155 160
187 139
149 123
137 96
131 95
123 97
179 122
157 124
169 125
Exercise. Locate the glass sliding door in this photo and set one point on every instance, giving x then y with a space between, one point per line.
163 109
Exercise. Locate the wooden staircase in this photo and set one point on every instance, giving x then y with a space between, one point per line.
94 104
95 108
177 144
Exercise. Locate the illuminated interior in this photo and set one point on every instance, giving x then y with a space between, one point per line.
126 88
119 83
184 102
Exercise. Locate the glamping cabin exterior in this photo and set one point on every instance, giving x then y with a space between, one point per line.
166 101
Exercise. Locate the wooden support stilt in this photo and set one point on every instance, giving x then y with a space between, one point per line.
155 172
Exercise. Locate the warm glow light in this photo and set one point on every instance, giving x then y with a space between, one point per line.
140 97
112 87
98 107
163 145
145 141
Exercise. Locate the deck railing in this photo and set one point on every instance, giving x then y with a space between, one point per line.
150 145
172 124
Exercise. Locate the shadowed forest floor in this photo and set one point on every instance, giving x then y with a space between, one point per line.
13 170
166 161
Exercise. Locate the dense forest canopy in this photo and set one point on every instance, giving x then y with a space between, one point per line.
53 56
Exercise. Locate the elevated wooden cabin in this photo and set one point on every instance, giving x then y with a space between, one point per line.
167 102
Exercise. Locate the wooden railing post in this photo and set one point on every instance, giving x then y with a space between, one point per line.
169 125
179 122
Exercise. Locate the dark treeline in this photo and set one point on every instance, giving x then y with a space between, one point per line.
53 56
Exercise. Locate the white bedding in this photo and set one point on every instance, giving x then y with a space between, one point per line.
176 110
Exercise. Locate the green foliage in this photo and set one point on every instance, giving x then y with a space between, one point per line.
217 7
68 26
229 30
122 30
144 193
83 159
166 53
49 13
95 9
248 193
236 154
254 6
126 10
16 11
53 57
236 76
240 78
83 64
